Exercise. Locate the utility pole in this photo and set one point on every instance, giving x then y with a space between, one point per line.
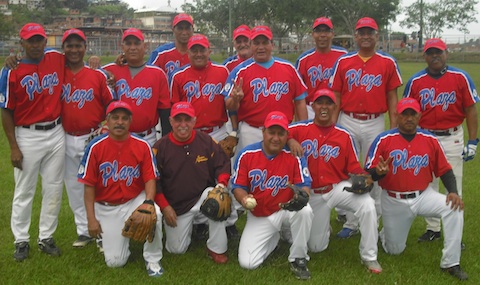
230 40
420 33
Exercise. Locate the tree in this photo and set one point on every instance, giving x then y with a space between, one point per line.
440 15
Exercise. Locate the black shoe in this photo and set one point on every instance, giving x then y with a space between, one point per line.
21 251
200 232
232 232
456 271
82 241
48 246
429 235
342 219
299 268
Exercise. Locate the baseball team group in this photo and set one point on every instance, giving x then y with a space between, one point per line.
132 135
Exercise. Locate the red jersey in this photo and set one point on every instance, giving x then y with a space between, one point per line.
364 85
117 170
443 100
146 92
266 90
85 96
266 178
330 152
168 58
33 89
414 162
201 88
233 61
316 68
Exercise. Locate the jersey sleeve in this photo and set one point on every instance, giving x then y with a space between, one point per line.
302 176
175 88
240 175
4 89
149 166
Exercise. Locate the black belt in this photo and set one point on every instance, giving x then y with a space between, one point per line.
400 195
444 133
145 133
44 127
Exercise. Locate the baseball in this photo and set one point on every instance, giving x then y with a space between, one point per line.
250 203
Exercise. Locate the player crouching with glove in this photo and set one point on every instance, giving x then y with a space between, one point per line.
190 163
261 183
119 174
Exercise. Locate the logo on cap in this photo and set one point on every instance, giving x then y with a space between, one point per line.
322 21
182 17
198 40
118 105
182 108
325 92
408 103
276 118
366 22
242 30
261 31
434 43
133 32
32 29
73 32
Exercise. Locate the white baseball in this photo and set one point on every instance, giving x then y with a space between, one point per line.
250 203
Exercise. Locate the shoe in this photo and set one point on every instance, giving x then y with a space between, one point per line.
342 219
232 232
100 245
82 241
429 235
456 271
217 258
299 268
48 246
200 232
21 251
346 233
154 269
372 266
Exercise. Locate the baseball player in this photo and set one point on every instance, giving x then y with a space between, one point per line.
30 106
119 174
85 95
241 43
447 97
262 84
316 64
143 86
331 155
172 56
365 83
190 164
262 171
405 160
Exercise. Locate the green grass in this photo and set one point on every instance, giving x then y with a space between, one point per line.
339 264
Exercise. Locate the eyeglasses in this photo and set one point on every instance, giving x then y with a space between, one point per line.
366 32
433 51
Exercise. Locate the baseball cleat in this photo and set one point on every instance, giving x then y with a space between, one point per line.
48 246
372 266
82 241
216 257
456 271
429 235
100 245
154 269
342 219
299 268
21 251
346 233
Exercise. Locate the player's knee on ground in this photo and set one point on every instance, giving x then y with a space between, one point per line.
318 243
394 249
248 262
116 261
176 247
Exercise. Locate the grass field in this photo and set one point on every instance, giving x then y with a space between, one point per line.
339 264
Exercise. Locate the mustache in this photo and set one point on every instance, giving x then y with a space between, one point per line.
119 128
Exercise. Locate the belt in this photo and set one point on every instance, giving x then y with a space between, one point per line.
80 133
209 129
323 190
145 133
404 195
363 117
44 127
443 133
108 204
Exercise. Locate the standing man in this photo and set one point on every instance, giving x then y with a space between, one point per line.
262 84
365 83
30 102
405 161
172 56
119 174
85 96
241 43
316 64
447 97
331 156
190 163
262 171
143 86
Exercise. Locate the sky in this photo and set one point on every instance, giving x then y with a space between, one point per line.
139 4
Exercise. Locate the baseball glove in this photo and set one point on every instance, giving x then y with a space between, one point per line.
361 184
299 200
140 226
217 205
100 131
228 145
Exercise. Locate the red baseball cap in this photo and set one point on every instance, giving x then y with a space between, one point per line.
133 32
242 30
434 43
182 108
182 17
366 22
408 103
322 21
118 105
276 118
261 31
198 39
32 29
73 32
325 92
